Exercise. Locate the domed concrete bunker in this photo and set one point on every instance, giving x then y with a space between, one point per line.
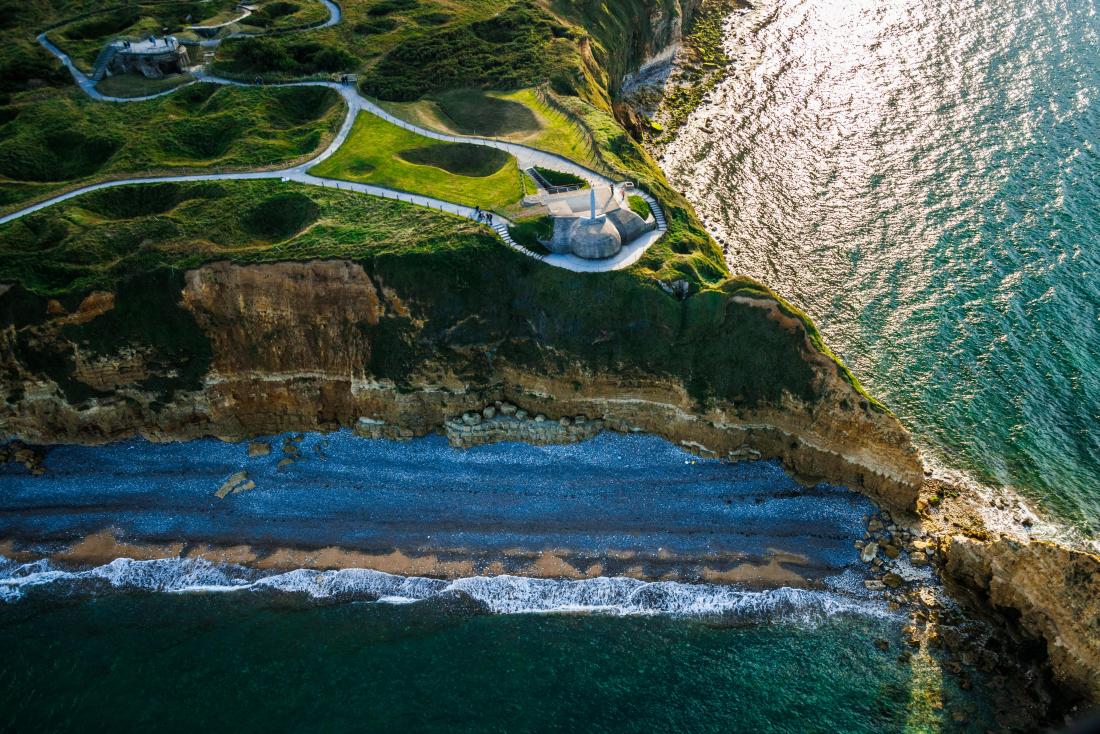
594 224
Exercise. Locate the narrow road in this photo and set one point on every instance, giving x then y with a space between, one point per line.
525 156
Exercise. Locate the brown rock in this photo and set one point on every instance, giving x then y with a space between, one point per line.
259 448
1055 591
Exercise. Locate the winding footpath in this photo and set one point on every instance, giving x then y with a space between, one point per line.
356 103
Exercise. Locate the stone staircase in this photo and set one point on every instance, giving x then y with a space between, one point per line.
99 69
548 187
500 226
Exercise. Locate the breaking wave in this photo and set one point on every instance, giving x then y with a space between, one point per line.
497 594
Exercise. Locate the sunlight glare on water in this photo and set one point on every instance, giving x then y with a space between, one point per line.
922 177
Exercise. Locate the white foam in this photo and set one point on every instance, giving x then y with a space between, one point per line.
498 594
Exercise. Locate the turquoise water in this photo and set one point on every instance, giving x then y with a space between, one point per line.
247 664
178 643
923 178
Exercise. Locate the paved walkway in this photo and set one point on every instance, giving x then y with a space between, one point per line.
356 103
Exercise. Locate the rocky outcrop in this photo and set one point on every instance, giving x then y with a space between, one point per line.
1051 592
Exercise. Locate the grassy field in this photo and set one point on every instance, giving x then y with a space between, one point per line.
369 30
95 240
133 85
51 141
380 153
521 116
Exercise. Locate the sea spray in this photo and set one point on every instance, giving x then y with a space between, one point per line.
497 594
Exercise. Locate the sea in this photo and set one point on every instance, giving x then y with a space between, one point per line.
919 175
168 635
923 178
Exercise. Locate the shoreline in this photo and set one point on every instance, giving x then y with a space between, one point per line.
104 546
619 505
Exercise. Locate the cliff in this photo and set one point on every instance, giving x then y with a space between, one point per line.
1051 591
319 344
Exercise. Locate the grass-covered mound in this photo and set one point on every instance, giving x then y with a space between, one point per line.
49 142
378 152
369 29
473 112
639 206
463 159
540 126
277 15
97 240
520 47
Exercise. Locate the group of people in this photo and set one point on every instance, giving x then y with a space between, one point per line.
483 216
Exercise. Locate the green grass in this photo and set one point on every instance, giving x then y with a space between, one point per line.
474 112
462 159
99 239
84 38
377 152
52 141
528 232
135 241
639 206
280 14
559 178
134 85
522 46
552 130
369 30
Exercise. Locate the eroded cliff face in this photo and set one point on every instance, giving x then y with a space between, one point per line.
235 351
303 346
1053 592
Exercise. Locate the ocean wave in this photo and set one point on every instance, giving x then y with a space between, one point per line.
492 594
